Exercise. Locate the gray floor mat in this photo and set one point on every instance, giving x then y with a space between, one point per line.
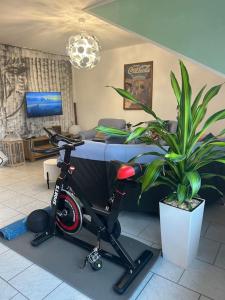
63 259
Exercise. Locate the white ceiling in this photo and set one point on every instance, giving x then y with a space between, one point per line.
47 24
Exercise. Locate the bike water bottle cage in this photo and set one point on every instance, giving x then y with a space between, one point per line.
128 171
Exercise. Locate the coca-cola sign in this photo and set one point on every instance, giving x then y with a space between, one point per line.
138 78
137 69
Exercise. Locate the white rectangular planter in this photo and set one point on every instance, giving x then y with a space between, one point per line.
180 233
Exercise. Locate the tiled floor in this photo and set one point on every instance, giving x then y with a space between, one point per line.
23 189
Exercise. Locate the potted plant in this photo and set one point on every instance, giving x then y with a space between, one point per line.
181 212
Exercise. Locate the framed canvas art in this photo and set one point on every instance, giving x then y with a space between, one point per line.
138 80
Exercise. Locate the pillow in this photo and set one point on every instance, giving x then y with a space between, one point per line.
99 135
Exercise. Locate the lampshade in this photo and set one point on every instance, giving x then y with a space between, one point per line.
83 50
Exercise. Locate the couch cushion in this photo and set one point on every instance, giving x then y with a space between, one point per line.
125 152
117 123
90 150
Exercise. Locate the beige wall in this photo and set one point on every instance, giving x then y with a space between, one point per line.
95 101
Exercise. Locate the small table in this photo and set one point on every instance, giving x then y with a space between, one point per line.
51 171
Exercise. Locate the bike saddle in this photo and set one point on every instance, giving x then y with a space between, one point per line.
129 170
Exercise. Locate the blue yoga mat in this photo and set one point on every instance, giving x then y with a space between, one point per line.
17 228
14 230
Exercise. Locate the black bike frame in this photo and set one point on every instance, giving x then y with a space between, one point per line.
64 181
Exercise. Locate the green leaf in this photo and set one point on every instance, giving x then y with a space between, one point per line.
201 110
175 157
218 144
222 132
211 175
112 131
209 186
176 87
170 183
159 182
125 94
196 101
150 141
185 108
181 193
151 174
214 118
211 94
197 118
221 160
207 158
152 153
195 182
136 133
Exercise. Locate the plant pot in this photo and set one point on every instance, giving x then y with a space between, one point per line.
180 233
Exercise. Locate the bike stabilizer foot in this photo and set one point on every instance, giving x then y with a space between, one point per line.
130 274
41 238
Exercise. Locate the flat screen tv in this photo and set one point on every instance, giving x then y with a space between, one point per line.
42 104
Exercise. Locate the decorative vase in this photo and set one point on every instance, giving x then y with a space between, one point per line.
180 233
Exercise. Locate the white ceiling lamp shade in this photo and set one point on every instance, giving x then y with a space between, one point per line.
84 50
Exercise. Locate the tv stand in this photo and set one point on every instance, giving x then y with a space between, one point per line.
40 142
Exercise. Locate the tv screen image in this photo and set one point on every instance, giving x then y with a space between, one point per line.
42 104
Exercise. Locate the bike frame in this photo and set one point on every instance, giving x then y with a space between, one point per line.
64 181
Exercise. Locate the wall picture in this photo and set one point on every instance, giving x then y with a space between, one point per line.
138 80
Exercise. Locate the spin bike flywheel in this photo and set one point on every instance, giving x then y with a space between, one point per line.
69 213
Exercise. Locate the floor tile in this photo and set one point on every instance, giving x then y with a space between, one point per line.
206 279
205 226
19 297
19 200
35 283
134 223
215 213
27 209
220 260
208 250
12 264
6 291
66 292
45 196
6 213
28 189
167 269
204 298
2 189
159 288
216 232
152 231
7 195
11 220
3 248
8 181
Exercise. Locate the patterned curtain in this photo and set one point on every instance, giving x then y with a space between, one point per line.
23 70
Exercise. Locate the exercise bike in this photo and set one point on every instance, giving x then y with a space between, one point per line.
69 214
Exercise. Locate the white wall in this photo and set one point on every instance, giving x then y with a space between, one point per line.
95 101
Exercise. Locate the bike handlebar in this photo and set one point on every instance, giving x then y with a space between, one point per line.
47 151
54 139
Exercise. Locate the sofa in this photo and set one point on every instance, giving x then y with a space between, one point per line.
116 123
95 174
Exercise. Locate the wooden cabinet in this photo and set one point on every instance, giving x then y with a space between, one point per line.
41 142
